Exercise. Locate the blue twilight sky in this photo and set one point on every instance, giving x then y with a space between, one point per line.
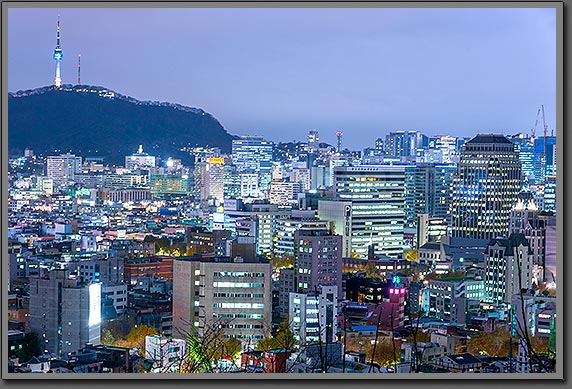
281 72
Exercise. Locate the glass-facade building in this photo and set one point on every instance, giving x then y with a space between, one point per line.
254 154
486 186
377 195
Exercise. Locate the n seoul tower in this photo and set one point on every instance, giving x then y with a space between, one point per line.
58 55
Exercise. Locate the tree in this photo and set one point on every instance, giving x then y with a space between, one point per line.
383 350
284 339
206 346
494 344
30 347
107 337
280 262
136 337
411 255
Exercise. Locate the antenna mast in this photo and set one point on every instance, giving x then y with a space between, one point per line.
78 69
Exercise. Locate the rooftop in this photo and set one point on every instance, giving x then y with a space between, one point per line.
489 138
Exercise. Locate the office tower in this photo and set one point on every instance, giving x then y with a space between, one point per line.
317 260
232 181
526 219
287 227
508 268
233 293
212 172
429 229
339 136
283 192
403 143
549 194
313 315
544 158
302 177
62 168
524 146
485 188
253 154
263 214
163 184
368 209
379 146
139 160
313 141
58 56
65 313
249 185
428 189
447 294
319 176
447 145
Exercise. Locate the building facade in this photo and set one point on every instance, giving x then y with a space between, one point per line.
64 313
235 295
486 187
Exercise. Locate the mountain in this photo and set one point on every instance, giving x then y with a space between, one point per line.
96 121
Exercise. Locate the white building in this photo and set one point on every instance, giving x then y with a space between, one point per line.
62 168
167 354
234 294
368 209
313 316
139 160
283 192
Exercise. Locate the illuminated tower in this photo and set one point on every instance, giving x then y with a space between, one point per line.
58 55
339 136
485 188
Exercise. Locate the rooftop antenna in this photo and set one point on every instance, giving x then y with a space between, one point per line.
79 69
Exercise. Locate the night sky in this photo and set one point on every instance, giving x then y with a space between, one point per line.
281 72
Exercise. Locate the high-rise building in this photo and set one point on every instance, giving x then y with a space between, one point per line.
485 188
508 268
212 180
233 293
169 184
301 176
317 260
64 313
62 168
284 242
249 185
313 315
428 189
524 146
254 154
368 209
263 214
379 146
403 143
447 145
526 219
544 157
283 192
313 141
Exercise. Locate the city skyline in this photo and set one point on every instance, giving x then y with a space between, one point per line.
292 86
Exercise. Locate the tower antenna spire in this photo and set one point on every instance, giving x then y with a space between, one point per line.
58 55
79 69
